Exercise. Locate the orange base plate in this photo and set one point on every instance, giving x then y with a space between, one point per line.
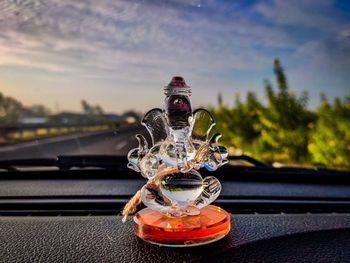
212 224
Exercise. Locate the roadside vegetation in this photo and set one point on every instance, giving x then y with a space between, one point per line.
284 130
20 123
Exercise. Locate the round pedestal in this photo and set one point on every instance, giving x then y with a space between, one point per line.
212 224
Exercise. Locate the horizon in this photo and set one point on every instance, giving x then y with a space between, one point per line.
121 54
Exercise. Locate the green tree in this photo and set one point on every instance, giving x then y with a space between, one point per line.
238 125
284 123
220 102
10 110
91 110
330 139
36 111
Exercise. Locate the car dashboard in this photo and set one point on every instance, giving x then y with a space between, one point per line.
73 214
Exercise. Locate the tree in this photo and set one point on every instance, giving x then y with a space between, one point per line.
10 110
220 99
330 139
284 123
36 111
238 125
91 110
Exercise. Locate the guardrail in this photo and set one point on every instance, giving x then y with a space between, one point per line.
13 133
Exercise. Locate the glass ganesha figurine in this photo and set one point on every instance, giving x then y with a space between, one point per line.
177 197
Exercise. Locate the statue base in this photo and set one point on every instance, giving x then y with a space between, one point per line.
212 224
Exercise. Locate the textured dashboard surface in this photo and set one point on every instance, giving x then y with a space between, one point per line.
259 238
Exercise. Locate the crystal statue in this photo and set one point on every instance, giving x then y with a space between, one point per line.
176 195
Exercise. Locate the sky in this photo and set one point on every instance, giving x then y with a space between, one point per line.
120 54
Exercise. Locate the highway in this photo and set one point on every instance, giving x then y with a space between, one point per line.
117 142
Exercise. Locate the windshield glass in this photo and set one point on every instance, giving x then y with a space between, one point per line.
76 77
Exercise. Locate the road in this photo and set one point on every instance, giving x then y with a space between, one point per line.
117 142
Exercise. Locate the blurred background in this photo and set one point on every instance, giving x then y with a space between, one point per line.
77 76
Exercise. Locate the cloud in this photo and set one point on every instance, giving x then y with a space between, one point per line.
142 42
113 34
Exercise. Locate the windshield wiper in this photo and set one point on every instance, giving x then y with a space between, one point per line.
101 161
65 162
114 162
10 165
248 159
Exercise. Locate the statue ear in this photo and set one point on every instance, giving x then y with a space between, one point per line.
155 123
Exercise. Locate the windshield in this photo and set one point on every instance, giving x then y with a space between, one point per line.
76 77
